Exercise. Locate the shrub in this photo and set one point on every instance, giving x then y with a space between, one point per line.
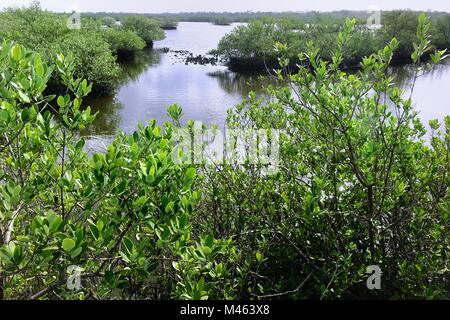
441 32
402 25
250 45
93 47
108 21
357 185
122 217
93 59
167 23
147 28
123 42
222 21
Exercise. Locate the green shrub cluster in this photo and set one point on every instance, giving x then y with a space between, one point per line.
123 217
148 29
251 44
95 47
222 21
358 184
123 42
168 23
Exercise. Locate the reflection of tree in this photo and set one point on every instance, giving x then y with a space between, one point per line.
404 75
242 84
108 118
134 66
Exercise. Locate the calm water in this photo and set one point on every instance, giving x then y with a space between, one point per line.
155 80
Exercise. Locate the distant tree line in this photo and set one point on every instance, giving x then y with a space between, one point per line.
307 17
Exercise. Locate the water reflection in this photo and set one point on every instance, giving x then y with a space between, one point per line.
133 67
404 75
431 96
108 116
242 84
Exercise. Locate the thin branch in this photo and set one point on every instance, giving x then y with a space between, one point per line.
59 283
284 293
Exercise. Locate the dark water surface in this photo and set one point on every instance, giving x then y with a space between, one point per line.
154 80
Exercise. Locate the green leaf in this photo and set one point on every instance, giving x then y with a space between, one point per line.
39 67
128 245
54 225
17 52
259 256
191 172
84 85
156 131
100 225
209 241
140 202
94 231
183 221
80 144
68 244
17 254
23 97
124 257
61 102
25 115
206 250
4 116
169 207
75 253
5 255
201 284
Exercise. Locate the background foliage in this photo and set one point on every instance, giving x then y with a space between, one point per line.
95 47
250 46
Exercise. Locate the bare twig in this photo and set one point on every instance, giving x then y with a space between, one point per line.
284 293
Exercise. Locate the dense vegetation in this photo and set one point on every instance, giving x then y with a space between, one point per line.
222 21
96 47
307 17
357 184
250 46
147 29
167 23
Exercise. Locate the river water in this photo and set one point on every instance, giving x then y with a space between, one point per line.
153 80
